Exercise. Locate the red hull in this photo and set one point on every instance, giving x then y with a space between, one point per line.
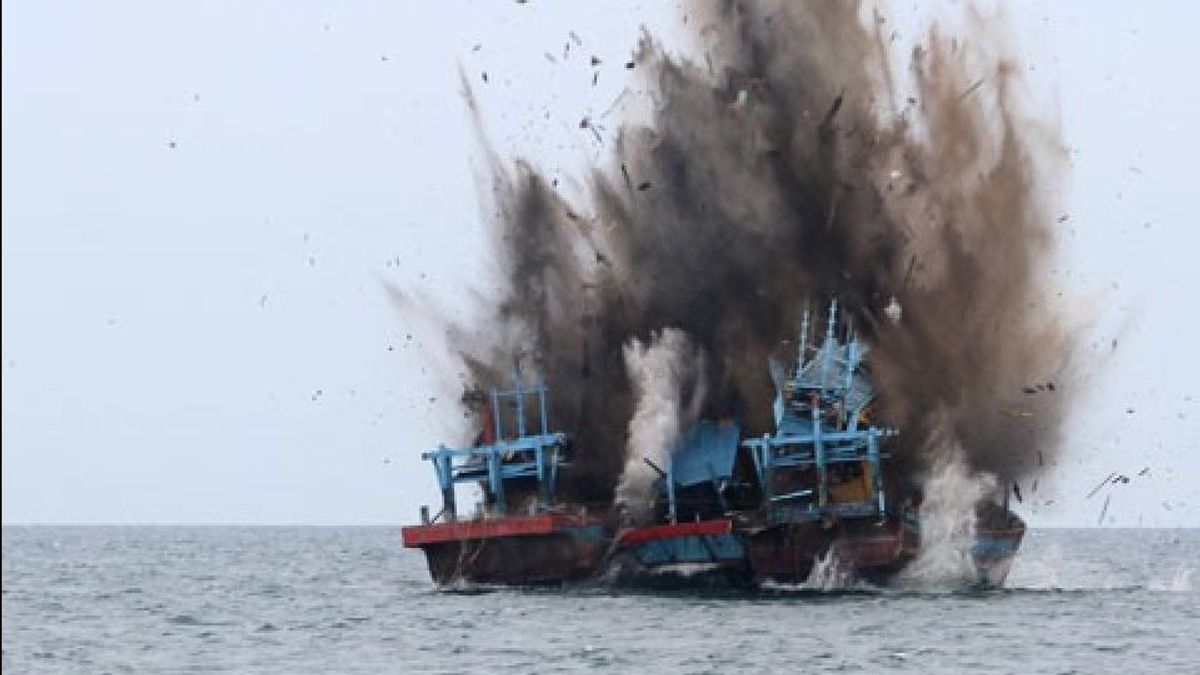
518 550
508 526
787 553
642 535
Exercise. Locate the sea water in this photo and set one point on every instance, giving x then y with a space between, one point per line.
352 600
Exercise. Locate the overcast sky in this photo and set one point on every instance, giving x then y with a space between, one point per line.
202 203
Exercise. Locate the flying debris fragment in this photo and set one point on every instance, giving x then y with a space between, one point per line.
972 89
625 174
1102 484
893 311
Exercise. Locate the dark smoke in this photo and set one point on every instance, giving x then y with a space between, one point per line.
730 211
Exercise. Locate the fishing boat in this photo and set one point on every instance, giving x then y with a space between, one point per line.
728 510
519 534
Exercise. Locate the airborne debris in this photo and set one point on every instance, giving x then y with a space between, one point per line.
893 311
1102 484
1039 387
614 103
971 89
740 101
827 122
642 187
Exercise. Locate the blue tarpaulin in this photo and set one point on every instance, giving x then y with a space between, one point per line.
706 452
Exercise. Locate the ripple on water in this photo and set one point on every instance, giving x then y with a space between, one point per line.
278 603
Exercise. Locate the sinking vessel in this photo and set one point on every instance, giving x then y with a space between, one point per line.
519 533
730 510
769 509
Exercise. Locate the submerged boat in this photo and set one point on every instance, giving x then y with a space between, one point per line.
730 510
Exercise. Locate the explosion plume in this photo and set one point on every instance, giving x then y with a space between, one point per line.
785 171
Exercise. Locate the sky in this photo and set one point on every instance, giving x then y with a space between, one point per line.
204 202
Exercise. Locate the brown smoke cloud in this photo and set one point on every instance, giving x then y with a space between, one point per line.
781 171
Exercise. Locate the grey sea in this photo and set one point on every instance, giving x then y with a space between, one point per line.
351 600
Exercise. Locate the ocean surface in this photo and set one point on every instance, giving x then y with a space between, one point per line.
351 600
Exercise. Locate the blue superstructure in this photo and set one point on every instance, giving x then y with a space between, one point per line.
819 441
497 460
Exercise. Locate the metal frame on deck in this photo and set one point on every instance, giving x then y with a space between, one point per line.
817 416
525 455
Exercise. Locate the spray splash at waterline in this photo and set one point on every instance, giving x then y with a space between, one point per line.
948 514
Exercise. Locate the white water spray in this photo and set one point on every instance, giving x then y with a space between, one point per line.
667 376
948 517
829 574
